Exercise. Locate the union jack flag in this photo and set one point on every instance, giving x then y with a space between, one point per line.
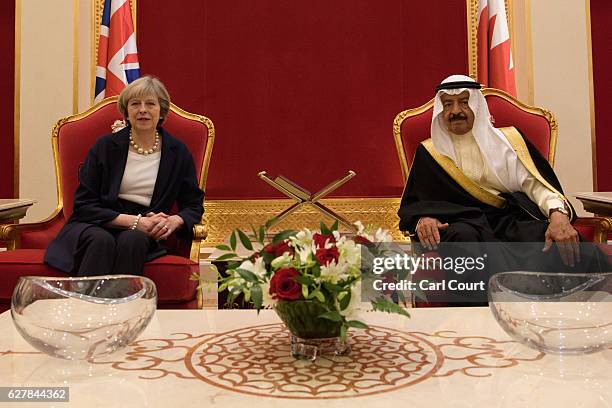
117 63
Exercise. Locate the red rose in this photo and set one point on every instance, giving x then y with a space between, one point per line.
283 285
325 256
278 249
363 241
320 239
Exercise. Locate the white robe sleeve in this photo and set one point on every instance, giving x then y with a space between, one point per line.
541 195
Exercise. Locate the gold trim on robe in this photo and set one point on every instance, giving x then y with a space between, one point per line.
522 151
460 178
518 144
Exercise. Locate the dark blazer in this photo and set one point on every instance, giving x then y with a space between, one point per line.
96 199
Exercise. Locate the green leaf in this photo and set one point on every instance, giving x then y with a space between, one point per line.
319 296
233 240
246 242
247 275
383 305
223 247
262 234
343 331
334 226
268 258
225 257
304 280
344 302
324 229
332 287
305 291
357 324
257 296
270 222
283 235
316 271
333 316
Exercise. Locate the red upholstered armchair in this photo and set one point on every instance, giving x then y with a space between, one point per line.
412 126
71 139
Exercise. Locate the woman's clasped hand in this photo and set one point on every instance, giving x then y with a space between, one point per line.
159 226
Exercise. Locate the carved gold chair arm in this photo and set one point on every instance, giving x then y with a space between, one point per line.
9 233
200 231
602 225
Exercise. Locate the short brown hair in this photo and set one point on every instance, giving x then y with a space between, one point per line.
144 86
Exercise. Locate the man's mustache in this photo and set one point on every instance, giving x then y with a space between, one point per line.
457 116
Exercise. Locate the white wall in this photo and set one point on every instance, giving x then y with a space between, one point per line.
46 95
561 82
46 90
560 70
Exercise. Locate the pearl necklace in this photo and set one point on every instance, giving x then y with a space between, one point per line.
142 151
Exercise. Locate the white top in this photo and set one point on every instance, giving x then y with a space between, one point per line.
139 177
469 159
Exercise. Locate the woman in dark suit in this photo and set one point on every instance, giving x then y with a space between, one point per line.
128 184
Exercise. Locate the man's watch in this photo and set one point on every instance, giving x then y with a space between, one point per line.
562 210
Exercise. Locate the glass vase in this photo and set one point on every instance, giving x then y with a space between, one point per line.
311 336
82 318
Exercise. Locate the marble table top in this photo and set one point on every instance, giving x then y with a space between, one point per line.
441 357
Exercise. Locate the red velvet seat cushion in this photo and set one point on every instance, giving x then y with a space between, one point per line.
170 273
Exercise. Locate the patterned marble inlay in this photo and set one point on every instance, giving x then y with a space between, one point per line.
256 361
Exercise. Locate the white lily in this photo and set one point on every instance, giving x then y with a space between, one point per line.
382 235
305 254
302 239
350 252
258 267
354 305
281 261
267 298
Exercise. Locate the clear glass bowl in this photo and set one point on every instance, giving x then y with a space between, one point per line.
82 318
557 313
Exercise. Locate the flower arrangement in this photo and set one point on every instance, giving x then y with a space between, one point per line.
321 267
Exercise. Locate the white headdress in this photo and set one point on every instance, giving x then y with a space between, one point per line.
497 152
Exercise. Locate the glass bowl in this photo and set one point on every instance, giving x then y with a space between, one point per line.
82 318
558 313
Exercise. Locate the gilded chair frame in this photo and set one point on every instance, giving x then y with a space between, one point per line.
10 233
602 225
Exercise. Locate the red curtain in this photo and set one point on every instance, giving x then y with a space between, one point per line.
601 15
303 88
7 90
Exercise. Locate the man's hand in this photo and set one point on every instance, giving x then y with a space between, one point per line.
561 231
428 231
